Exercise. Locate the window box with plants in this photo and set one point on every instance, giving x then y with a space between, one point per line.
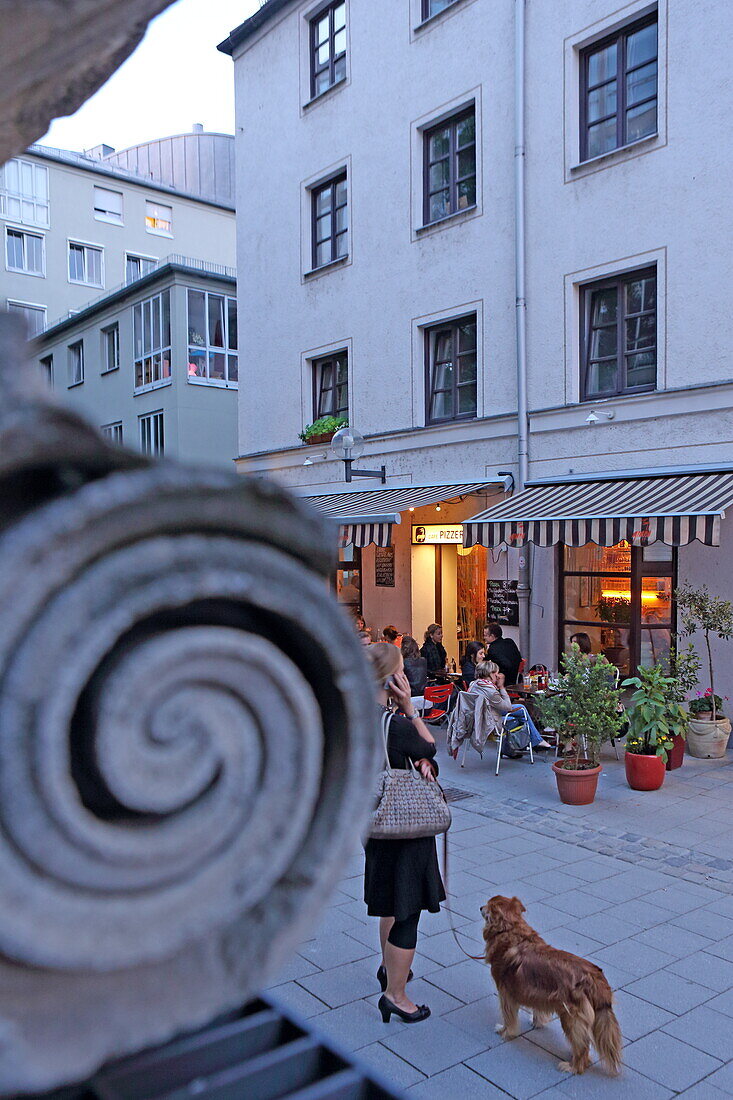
656 717
584 711
709 730
323 430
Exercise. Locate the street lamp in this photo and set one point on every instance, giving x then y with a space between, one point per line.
348 445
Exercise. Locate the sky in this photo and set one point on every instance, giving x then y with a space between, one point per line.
174 78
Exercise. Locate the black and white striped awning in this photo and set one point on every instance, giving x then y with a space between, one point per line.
675 509
366 516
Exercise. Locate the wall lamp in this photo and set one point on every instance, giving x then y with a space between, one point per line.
348 445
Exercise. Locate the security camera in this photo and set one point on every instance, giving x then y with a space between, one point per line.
591 419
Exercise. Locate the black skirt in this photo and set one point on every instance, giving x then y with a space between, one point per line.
402 877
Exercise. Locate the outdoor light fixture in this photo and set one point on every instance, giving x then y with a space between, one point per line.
591 418
348 445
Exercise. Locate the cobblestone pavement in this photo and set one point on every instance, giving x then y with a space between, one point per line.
641 883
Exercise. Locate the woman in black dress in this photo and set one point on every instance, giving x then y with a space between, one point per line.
401 876
434 651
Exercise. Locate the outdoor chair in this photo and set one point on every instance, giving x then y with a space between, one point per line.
515 696
504 736
438 695
461 725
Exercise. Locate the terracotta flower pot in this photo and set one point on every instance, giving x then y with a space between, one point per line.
676 754
322 437
708 740
576 787
644 773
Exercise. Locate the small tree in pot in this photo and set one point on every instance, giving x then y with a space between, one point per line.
584 710
712 617
656 717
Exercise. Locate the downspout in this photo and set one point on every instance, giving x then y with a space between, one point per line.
523 575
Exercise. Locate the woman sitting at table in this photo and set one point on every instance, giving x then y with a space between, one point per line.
416 667
489 682
473 656
434 652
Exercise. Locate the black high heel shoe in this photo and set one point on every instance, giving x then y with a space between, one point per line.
387 1009
382 977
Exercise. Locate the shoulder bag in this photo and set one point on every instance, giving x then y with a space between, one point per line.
407 804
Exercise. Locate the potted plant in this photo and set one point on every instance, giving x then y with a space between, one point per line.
656 716
684 666
584 711
323 429
709 729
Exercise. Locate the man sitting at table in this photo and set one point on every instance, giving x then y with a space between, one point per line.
502 651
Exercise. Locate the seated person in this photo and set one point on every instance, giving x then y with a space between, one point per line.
392 635
364 637
490 682
416 667
434 652
473 656
583 642
503 652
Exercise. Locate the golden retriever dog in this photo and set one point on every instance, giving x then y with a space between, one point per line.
531 974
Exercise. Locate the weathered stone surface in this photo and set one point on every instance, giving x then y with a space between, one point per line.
54 54
186 739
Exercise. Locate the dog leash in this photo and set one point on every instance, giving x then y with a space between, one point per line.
449 911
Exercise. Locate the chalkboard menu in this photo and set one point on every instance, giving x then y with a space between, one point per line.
384 566
502 602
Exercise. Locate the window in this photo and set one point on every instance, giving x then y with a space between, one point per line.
34 316
330 220
110 348
432 7
85 264
108 205
136 266
331 385
113 432
152 435
47 368
151 341
75 362
620 335
450 167
25 252
159 218
212 338
24 193
450 357
328 47
618 102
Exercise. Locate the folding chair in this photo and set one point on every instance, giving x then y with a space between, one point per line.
504 734
437 695
462 715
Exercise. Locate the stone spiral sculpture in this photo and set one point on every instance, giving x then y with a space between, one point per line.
186 740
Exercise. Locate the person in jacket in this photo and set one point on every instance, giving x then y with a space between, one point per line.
434 652
416 667
401 877
489 682
392 635
473 656
503 652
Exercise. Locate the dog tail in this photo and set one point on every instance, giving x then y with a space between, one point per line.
607 1037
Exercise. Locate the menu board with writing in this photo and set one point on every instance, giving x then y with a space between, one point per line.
384 566
502 602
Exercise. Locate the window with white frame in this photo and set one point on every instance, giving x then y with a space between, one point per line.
24 193
151 341
108 205
33 316
110 348
25 252
47 368
159 218
113 432
85 264
137 266
75 362
152 433
212 338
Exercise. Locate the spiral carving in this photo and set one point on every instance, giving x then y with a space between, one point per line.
186 746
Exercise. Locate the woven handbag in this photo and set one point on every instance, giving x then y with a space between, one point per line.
407 804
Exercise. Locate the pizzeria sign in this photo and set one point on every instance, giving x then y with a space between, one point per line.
435 534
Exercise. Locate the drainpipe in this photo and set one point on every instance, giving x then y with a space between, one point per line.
523 586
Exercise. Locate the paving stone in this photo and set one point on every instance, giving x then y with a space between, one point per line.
636 1017
705 1029
335 949
724 949
706 969
604 928
615 890
295 968
299 1000
682 897
616 977
357 1025
669 991
673 1064
723 1079
543 918
395 1070
706 923
343 984
555 882
568 939
423 991
520 1068
639 913
675 941
517 866
454 1082
552 1039
434 1045
594 870
479 1019
703 1091
723 905
597 1084
468 981
578 903
723 1003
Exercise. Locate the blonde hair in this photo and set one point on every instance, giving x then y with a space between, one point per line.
484 669
385 659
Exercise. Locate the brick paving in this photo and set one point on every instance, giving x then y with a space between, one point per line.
641 883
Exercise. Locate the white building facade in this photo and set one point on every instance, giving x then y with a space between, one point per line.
388 133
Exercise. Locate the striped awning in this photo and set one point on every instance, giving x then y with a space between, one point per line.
674 509
366 516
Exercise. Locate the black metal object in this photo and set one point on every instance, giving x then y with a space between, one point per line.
381 473
260 1052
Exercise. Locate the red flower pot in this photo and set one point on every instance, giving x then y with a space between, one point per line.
644 773
576 787
676 754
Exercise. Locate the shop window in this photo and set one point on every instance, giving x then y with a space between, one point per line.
621 598
348 577
471 578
